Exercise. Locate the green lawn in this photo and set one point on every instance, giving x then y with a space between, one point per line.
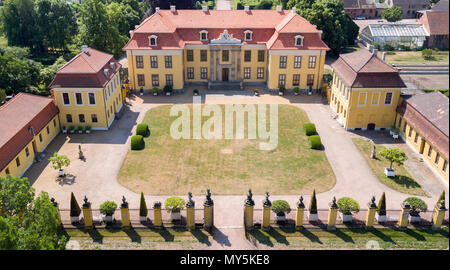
444 91
231 167
415 57
402 182
386 238
350 49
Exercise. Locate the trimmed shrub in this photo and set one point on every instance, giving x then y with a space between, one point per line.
137 142
417 205
382 205
282 89
155 90
296 90
174 204
310 129
315 142
142 129
108 208
75 209
143 211
168 88
280 207
313 203
427 54
347 205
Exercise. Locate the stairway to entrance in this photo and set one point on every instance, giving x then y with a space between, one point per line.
224 86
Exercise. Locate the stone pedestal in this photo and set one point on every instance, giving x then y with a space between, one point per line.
208 218
332 214
300 214
404 215
157 215
438 215
370 216
266 217
190 218
125 212
248 216
87 215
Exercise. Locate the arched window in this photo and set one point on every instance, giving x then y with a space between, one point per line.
248 35
152 40
203 35
298 40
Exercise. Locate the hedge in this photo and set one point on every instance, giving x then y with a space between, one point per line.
315 142
142 129
310 129
137 142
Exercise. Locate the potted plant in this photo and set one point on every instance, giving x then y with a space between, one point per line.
168 89
281 90
72 129
380 215
196 93
143 211
296 91
395 131
75 210
312 210
281 208
256 93
88 129
347 206
141 91
155 91
417 206
64 130
310 90
174 205
107 209
58 162
80 129
393 155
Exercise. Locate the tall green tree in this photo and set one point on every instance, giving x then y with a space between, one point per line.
392 14
15 195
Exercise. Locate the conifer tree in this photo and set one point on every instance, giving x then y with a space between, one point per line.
382 205
75 209
313 203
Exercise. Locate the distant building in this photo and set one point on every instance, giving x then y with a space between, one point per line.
399 35
423 121
435 22
409 7
361 8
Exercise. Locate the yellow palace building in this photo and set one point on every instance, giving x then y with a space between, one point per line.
227 48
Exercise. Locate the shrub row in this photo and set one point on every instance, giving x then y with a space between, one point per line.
137 142
314 138
142 129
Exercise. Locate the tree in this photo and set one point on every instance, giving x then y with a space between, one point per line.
329 16
59 161
2 95
143 211
8 232
394 155
392 14
48 73
313 203
15 195
382 205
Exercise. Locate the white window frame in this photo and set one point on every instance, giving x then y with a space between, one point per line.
392 97
89 100
150 40
76 101
365 100
378 101
248 32
203 32
301 38
62 97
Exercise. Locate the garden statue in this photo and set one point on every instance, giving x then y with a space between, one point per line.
208 200
124 202
249 200
373 155
333 204
372 203
267 202
54 202
190 202
442 206
86 204
300 203
80 153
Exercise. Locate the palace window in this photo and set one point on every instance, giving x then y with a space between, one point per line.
283 61
81 118
400 122
260 73
66 99
48 130
296 79
27 152
388 99
203 35
410 132
169 79
168 61
310 80
281 79
404 128
54 123
298 40
155 80
203 55
91 98
312 62
79 98
139 61
190 73
416 138
153 40
297 61
247 56
7 171
247 72
190 55
18 162
94 118
436 160
203 73
40 137
154 61
261 55
141 80
225 56
430 150
248 35
444 168
69 118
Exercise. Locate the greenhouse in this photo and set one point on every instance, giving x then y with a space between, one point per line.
394 35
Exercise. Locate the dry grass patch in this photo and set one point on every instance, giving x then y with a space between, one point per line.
228 167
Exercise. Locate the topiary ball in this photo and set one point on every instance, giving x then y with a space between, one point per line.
137 142
315 142
142 129
310 129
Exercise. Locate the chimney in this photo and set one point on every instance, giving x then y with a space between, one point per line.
136 26
294 10
106 71
84 49
205 8
247 8
375 52
173 9
371 48
156 9
279 8
320 33
383 56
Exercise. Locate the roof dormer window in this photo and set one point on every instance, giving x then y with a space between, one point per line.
299 40
153 39
248 35
203 35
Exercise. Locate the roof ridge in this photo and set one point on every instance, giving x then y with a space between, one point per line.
283 23
19 95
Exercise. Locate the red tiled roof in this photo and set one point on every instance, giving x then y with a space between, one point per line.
21 112
85 70
428 114
365 70
436 22
174 30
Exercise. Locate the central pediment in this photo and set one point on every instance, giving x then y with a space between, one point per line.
225 38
